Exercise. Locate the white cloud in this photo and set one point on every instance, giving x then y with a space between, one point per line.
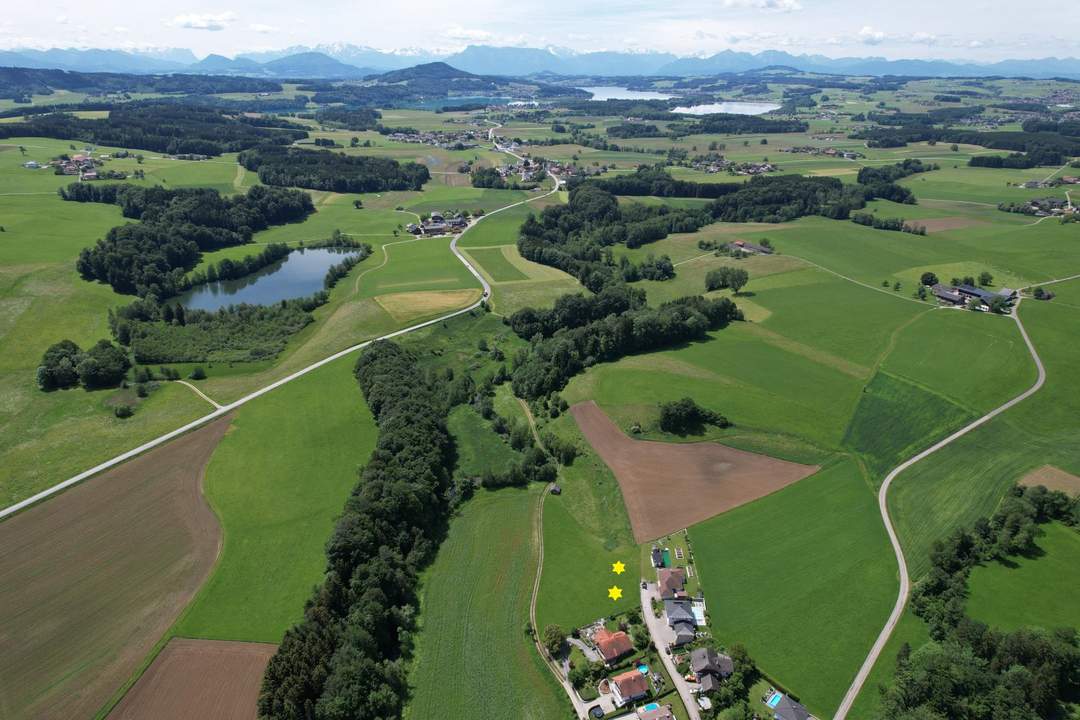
61 20
778 5
870 36
120 29
263 29
204 21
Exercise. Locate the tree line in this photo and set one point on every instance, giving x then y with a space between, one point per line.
349 656
16 82
332 171
161 127
153 256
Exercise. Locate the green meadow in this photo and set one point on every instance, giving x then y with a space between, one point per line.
277 481
800 575
473 656
1000 592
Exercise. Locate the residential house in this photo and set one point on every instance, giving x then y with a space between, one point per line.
788 709
457 222
671 582
435 228
663 712
680 618
972 292
629 686
612 646
710 667
657 557
753 247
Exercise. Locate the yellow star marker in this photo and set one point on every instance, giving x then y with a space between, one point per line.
618 567
614 592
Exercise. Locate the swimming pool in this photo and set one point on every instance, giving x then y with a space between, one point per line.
652 706
667 558
774 700
643 669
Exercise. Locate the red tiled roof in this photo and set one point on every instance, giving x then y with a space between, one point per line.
631 683
612 645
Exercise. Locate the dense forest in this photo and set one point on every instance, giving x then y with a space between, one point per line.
575 237
634 130
656 181
20 83
355 119
348 657
968 670
171 128
1046 148
328 170
151 257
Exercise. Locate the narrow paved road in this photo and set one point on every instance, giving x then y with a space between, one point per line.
905 579
657 630
223 409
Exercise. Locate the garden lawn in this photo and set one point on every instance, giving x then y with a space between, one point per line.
473 657
277 481
800 575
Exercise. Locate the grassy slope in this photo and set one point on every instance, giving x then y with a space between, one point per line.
798 576
473 658
277 481
1000 594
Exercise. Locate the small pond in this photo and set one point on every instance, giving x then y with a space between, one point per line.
299 274
730 108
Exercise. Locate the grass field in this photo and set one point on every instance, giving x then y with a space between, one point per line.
277 481
479 447
496 265
1000 593
800 575
473 657
586 529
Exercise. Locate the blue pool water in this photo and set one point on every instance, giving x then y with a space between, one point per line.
774 700
643 669
652 706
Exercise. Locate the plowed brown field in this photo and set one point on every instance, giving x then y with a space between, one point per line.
204 679
669 486
92 578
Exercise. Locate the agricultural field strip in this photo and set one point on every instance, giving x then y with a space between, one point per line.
48 492
905 579
538 529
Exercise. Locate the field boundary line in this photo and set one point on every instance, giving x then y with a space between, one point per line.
868 286
201 394
905 579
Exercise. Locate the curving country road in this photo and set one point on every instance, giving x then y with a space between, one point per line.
905 579
223 409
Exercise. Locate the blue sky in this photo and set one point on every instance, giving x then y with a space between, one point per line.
964 29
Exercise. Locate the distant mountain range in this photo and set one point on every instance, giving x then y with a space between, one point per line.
346 61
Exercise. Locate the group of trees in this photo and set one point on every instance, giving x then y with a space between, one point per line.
969 670
685 415
349 656
1040 147
228 269
574 310
634 130
161 127
355 119
883 223
575 237
656 181
486 177
549 363
336 172
152 256
1012 529
65 364
726 277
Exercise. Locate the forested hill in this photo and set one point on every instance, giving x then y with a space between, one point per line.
159 127
19 83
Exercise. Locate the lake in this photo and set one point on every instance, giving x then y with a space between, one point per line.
612 92
299 274
730 108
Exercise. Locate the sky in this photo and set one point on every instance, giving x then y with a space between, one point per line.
985 30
